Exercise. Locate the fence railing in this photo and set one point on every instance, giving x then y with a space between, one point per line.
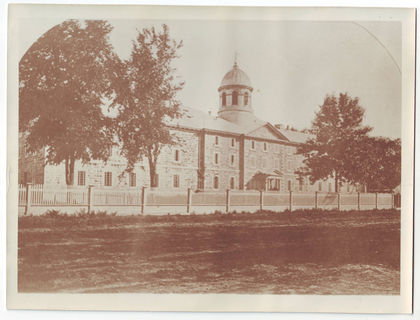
37 199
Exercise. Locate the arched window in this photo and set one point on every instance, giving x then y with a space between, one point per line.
246 98
235 98
223 99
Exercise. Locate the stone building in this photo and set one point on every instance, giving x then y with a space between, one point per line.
233 150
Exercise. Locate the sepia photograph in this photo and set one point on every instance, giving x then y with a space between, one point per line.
241 153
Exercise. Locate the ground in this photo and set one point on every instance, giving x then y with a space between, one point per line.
277 253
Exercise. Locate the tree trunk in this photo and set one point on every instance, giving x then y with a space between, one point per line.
69 164
337 182
152 172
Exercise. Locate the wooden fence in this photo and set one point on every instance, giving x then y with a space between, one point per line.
37 199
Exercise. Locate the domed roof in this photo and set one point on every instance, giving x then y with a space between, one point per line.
235 77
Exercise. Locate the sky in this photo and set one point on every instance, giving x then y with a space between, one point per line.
292 65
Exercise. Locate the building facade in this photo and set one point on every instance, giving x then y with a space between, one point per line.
233 150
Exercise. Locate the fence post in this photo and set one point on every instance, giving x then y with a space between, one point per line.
28 198
316 199
143 198
358 201
261 200
338 201
89 199
290 201
188 199
392 200
227 200
376 201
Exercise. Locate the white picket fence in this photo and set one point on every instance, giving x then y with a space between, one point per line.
145 201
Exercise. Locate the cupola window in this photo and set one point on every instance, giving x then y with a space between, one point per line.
224 99
235 98
246 98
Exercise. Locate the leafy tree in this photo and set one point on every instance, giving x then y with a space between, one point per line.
146 98
63 80
377 163
327 154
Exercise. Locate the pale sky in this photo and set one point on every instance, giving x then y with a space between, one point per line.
292 65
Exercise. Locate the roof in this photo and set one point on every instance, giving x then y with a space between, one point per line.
235 76
198 120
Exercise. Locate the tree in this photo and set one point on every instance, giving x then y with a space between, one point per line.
337 125
63 80
377 164
146 98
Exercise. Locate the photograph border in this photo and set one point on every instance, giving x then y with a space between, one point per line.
216 302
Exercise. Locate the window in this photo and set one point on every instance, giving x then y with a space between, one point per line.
132 179
235 98
108 179
300 184
216 140
348 187
223 99
216 158
232 160
252 144
233 142
320 186
289 185
232 183
329 186
265 146
216 182
246 98
176 181
81 178
176 155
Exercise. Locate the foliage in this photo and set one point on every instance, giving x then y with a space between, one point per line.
146 98
63 80
377 162
328 153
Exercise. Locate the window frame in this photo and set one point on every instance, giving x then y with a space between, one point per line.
81 173
108 179
175 181
132 179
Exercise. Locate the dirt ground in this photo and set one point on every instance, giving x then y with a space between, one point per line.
271 253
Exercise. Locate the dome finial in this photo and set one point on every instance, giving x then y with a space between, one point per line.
236 59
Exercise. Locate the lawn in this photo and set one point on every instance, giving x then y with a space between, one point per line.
271 253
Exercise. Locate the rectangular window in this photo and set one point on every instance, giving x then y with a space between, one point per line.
300 184
320 186
132 179
232 159
216 140
232 183
348 187
176 181
81 178
108 179
176 156
216 158
329 187
216 182
265 146
233 142
289 185
252 144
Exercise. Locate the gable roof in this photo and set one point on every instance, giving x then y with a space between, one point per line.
198 120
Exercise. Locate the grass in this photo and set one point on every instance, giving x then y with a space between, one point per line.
307 252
